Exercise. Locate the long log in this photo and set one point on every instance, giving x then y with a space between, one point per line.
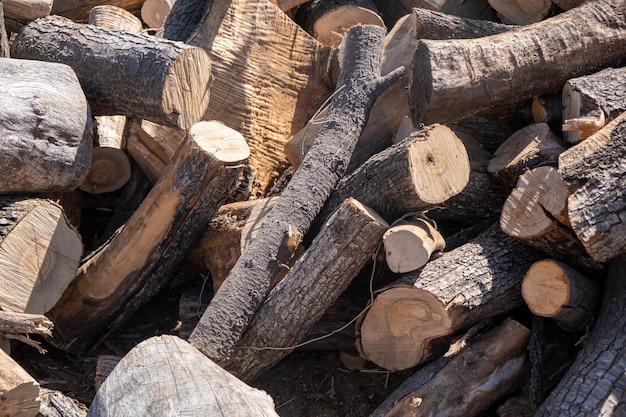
139 260
19 392
252 277
163 81
454 79
394 10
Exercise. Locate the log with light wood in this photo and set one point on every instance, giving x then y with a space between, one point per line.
530 147
19 392
17 13
454 79
594 168
47 145
328 20
491 367
554 289
39 254
536 213
163 81
4 39
11 322
267 100
114 17
255 272
154 12
56 404
522 12
394 10
313 284
78 10
412 320
114 282
591 101
177 380
410 242
593 384
286 5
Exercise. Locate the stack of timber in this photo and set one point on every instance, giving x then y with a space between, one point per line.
461 163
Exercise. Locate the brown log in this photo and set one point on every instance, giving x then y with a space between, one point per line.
114 17
591 101
19 392
119 79
154 12
56 404
409 323
596 206
140 259
530 147
313 284
267 100
255 272
455 79
554 289
410 242
493 366
17 13
394 10
592 386
47 146
522 12
536 213
78 10
168 367
39 257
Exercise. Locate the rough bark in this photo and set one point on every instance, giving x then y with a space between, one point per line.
78 10
393 10
19 392
411 321
595 209
56 404
139 260
254 274
176 380
46 127
11 322
458 78
410 242
144 80
334 258
17 13
594 384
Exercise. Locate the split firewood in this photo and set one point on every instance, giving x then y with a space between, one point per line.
313 284
118 78
4 39
19 392
592 385
56 404
78 10
493 366
267 100
328 21
11 322
394 10
255 272
410 242
168 367
454 79
554 289
17 13
591 101
536 213
39 256
412 320
531 147
154 12
522 12
47 145
596 206
140 259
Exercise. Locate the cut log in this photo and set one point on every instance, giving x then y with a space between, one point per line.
56 404
154 12
311 286
19 392
176 380
394 10
595 209
409 323
286 5
47 145
4 39
140 259
536 213
17 13
255 272
113 17
144 80
430 24
590 102
554 289
531 147
522 12
455 79
39 256
593 384
267 100
493 366
78 10
410 242
328 21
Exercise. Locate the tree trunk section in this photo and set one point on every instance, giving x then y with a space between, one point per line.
17 13
522 12
144 80
19 392
140 259
393 10
176 380
410 242
113 17
78 10
154 12
455 79
311 286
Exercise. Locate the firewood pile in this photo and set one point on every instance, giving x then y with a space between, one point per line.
460 161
